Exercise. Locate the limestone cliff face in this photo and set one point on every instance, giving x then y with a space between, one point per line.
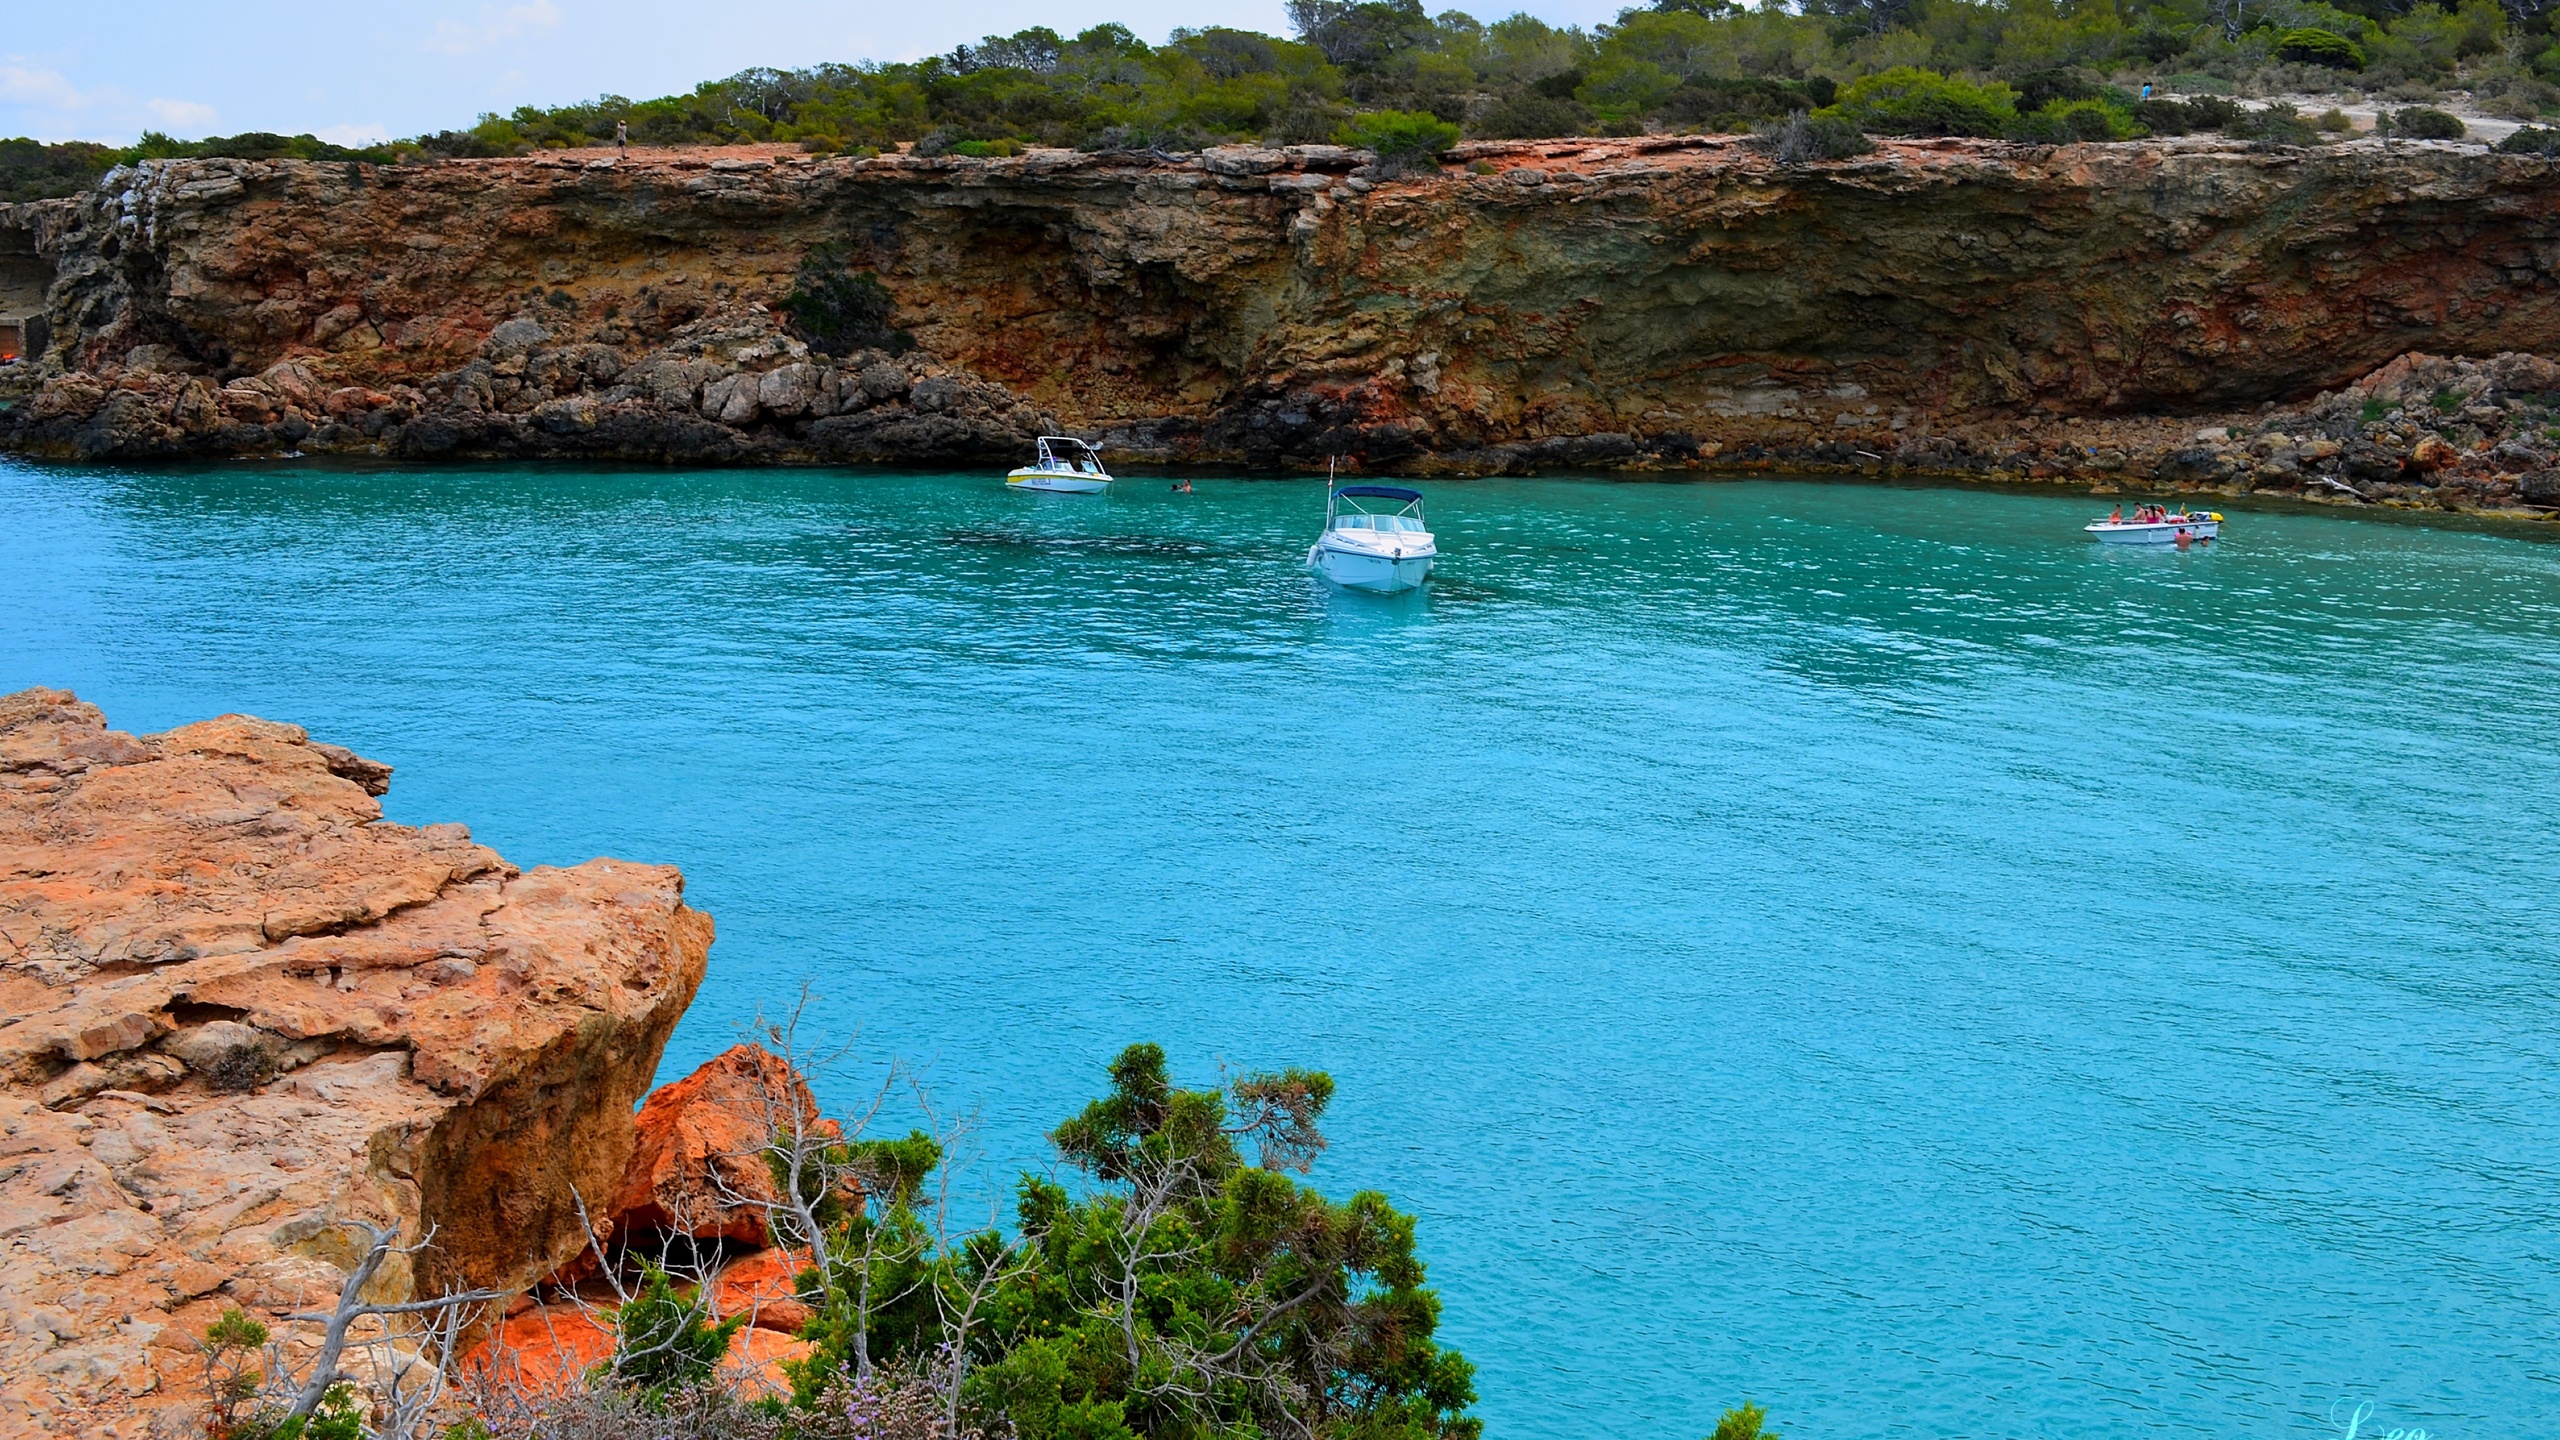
237 1010
1664 301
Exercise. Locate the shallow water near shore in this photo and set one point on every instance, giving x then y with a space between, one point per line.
1865 949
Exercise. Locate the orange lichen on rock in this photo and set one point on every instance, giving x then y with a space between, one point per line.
242 1012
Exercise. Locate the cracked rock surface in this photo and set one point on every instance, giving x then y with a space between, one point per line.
237 1009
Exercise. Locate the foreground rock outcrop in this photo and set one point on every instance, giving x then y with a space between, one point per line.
241 1011
1671 301
694 1197
699 1168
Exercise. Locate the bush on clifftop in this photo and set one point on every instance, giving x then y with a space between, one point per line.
2071 122
1801 138
2418 122
1906 100
2310 45
29 171
1403 139
1676 66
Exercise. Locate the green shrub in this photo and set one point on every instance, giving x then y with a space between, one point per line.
30 170
1185 1238
839 310
2069 122
2156 43
2277 124
2310 45
1725 106
2421 123
1801 138
2531 140
664 1342
1906 100
2165 117
1403 139
2213 112
1528 115
1745 1422
2040 88
2191 84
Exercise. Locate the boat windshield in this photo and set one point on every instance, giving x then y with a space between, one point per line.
1411 524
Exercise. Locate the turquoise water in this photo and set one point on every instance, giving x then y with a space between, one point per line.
1864 949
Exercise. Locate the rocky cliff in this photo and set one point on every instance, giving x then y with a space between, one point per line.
239 1011
1675 301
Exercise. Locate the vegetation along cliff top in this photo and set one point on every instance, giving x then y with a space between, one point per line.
1388 76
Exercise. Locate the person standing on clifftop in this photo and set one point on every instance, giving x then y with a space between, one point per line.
622 135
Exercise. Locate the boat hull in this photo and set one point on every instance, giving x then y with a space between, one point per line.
1054 483
2156 533
1370 574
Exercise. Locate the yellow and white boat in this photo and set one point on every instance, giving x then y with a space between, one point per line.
1066 465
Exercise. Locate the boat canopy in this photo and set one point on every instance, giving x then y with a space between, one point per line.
1382 492
1084 459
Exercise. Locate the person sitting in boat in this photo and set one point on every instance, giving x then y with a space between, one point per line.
2116 516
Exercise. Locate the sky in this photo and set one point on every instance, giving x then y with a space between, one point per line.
352 73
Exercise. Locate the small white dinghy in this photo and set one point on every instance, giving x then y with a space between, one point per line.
1065 465
2157 525
1380 551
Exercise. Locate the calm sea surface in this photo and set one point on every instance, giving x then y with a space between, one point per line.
1865 949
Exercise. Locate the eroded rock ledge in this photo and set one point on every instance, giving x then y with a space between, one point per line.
238 1009
1672 302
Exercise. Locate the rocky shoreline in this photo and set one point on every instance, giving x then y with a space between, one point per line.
2191 314
246 1019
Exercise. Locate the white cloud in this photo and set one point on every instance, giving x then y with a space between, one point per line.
23 85
182 114
493 26
353 136
42 102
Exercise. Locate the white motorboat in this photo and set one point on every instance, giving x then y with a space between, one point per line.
2157 525
1381 551
1066 465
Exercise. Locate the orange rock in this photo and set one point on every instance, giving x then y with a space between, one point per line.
547 1349
753 1366
2432 453
763 1285
551 1348
237 1010
699 1167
